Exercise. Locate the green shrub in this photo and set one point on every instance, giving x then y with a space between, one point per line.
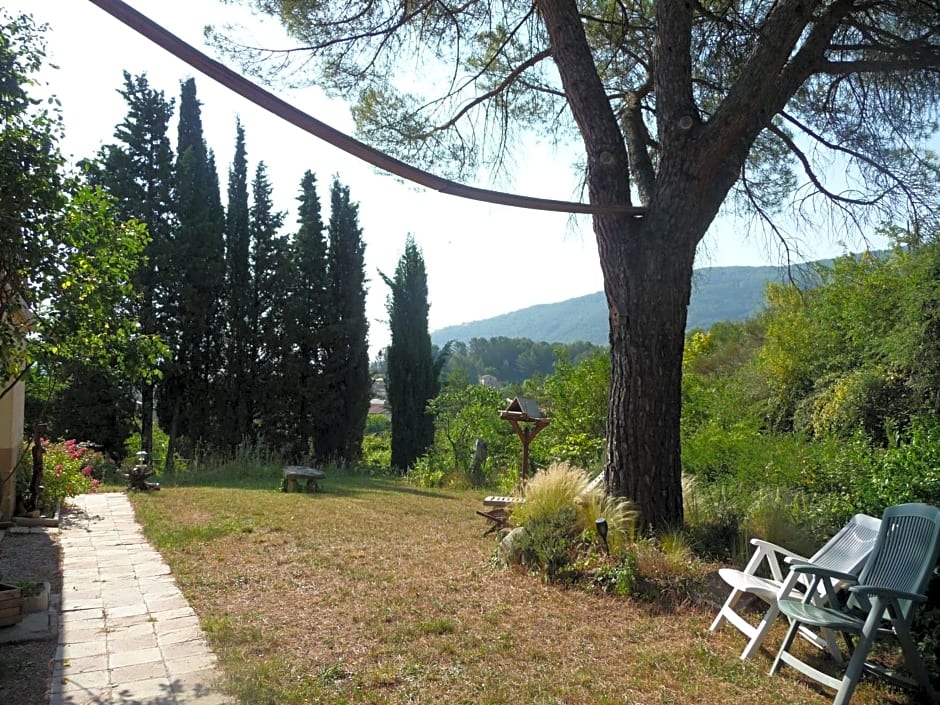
549 541
68 468
425 473
855 477
618 578
377 451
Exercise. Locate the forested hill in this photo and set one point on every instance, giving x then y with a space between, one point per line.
718 294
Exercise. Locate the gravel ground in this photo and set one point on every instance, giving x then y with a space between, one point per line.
25 668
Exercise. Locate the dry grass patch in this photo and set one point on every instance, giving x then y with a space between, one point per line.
376 592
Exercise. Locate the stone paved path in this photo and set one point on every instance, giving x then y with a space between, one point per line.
127 636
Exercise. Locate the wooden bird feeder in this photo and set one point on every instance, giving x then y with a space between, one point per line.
527 420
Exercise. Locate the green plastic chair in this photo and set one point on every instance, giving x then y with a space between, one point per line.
881 603
846 552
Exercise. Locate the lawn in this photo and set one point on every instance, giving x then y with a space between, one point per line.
374 591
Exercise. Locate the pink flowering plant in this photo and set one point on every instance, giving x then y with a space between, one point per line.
67 471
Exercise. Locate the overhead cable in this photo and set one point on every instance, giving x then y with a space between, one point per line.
270 102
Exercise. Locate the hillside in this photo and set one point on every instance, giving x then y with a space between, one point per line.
718 294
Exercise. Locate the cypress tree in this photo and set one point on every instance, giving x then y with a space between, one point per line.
189 395
412 373
345 371
305 320
239 409
138 172
270 281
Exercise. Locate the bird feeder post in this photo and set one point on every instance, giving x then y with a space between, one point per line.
527 420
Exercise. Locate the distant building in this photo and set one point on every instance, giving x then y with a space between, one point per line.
490 381
378 387
380 406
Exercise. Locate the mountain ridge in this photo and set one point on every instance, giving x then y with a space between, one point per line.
718 294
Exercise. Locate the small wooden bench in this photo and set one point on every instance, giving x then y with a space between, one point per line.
293 474
497 511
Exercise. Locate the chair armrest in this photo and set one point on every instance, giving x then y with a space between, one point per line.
774 548
821 572
877 591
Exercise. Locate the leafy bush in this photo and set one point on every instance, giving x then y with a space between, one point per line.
424 473
461 415
549 540
377 451
860 478
619 578
68 469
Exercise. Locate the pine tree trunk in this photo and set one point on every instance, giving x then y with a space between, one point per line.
146 419
648 287
169 466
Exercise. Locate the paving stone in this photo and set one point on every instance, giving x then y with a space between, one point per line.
176 636
69 634
89 680
142 691
131 642
134 657
133 610
174 614
165 604
97 696
187 665
80 649
139 672
83 664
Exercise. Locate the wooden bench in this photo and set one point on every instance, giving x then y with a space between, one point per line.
293 474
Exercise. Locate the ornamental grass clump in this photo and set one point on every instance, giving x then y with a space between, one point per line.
559 515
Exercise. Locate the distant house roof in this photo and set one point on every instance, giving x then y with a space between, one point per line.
378 406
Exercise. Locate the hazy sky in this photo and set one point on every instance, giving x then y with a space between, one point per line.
482 259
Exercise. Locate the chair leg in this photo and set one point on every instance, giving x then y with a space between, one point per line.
727 607
855 667
913 661
787 643
755 643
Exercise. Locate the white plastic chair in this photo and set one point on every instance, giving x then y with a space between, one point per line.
881 604
846 552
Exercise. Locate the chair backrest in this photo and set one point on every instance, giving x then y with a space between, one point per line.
848 550
905 554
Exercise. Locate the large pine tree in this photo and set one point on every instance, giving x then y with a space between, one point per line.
412 374
345 370
138 172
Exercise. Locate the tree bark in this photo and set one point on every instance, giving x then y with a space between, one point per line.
146 419
648 287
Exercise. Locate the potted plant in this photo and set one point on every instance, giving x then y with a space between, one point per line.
11 604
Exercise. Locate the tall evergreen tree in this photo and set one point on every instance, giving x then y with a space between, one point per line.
189 399
270 282
306 316
239 411
412 373
138 172
345 371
